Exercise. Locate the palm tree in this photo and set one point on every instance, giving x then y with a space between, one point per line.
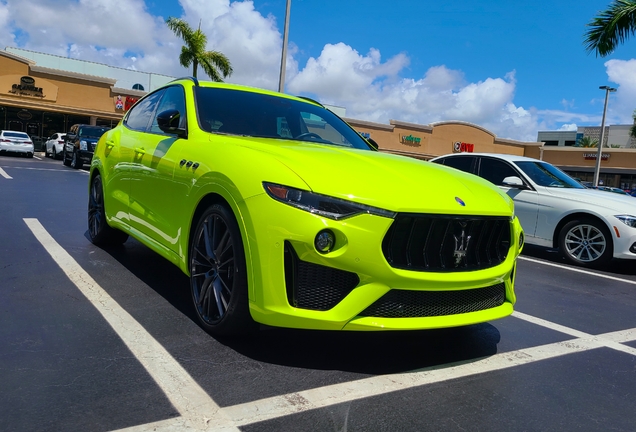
586 141
214 63
611 27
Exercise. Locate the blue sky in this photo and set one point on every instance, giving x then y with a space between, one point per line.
513 68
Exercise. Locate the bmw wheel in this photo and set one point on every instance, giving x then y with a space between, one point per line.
100 233
218 276
586 242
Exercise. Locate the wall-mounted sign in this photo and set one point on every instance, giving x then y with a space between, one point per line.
462 147
593 156
365 134
410 140
130 101
24 115
27 87
119 103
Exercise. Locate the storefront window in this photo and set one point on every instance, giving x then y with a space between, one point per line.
52 123
75 119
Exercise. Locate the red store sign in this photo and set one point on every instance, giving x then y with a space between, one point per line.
462 147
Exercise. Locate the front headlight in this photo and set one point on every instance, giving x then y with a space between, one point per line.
627 220
83 145
322 205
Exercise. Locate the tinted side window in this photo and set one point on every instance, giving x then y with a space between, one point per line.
495 170
463 163
139 116
173 98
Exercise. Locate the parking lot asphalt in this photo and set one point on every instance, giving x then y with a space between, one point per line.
100 340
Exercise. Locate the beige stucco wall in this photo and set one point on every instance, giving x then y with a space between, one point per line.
585 157
84 95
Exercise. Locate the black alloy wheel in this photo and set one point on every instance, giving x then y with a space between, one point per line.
218 276
76 162
586 242
65 159
100 233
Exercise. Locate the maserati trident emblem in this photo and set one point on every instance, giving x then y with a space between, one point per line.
461 245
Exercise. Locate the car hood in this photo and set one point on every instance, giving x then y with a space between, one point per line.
596 198
386 181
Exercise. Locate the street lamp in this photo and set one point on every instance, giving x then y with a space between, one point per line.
599 154
283 60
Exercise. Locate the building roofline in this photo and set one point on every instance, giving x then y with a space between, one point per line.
76 75
17 57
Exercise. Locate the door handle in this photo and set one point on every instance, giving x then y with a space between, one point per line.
140 150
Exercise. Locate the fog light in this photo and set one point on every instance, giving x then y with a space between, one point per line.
632 249
325 241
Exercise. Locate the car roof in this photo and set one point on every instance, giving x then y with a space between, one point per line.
12 131
502 156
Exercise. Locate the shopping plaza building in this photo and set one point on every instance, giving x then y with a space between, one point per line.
42 94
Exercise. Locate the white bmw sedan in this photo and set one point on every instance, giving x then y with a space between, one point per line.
588 226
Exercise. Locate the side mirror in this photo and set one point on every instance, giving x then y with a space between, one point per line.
70 137
168 122
514 182
373 144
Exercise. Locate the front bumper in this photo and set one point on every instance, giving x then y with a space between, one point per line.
275 228
86 156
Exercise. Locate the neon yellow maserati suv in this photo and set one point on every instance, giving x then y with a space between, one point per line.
282 214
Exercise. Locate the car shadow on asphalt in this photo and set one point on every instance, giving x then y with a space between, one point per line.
621 267
352 351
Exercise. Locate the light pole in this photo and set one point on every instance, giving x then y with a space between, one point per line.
599 154
283 59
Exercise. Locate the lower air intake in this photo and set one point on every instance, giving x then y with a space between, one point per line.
414 304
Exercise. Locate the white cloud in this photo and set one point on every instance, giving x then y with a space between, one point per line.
568 127
623 73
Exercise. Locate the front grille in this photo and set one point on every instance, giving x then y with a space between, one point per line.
414 304
313 286
446 243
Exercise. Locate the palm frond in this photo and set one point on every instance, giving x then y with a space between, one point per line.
611 27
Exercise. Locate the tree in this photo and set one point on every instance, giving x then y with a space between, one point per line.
611 27
632 130
214 63
586 141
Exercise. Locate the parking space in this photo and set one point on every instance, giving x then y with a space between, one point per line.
106 339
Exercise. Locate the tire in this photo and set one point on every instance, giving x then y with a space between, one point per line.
65 160
29 155
76 162
53 153
100 233
218 279
586 242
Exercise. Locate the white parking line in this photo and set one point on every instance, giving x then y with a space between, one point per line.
200 412
4 174
577 270
198 409
37 157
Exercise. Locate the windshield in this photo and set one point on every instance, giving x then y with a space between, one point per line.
92 131
544 174
236 112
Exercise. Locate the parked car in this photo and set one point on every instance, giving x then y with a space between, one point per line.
588 226
79 144
16 142
612 189
55 145
282 214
